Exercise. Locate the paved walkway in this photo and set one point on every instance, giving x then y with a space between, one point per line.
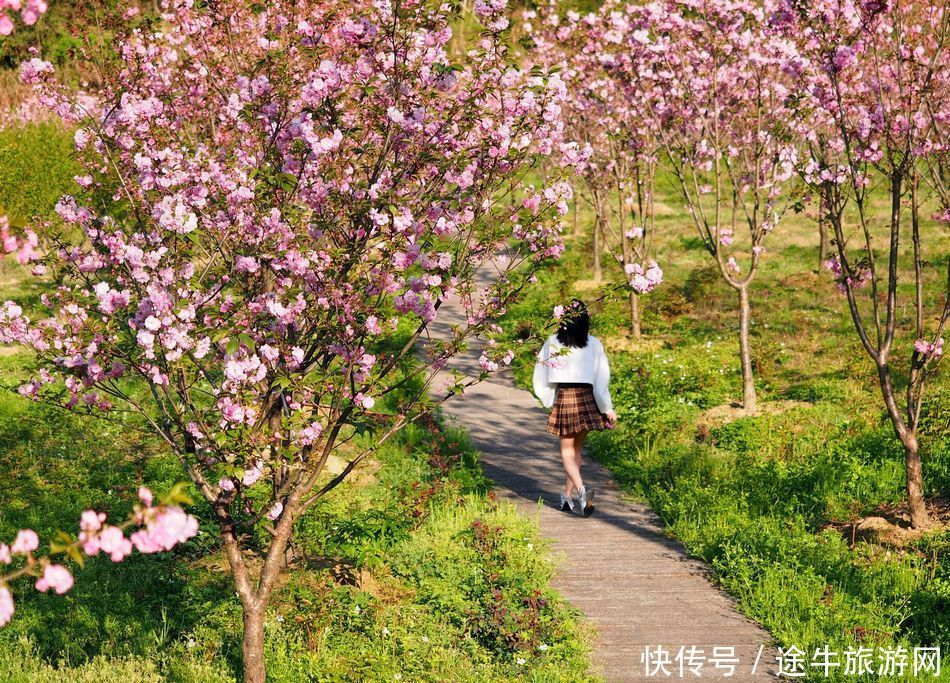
632 581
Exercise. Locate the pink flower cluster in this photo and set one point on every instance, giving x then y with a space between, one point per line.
30 11
859 276
644 281
165 527
57 577
929 349
162 528
25 543
24 247
6 606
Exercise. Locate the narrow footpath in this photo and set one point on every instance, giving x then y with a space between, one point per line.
632 581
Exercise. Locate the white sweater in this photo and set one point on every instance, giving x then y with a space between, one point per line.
558 363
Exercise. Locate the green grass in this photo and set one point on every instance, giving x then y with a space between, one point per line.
766 500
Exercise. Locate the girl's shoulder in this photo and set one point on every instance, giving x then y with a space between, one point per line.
595 342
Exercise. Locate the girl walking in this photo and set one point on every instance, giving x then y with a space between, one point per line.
572 375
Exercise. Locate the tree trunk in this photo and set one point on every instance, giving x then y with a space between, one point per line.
574 214
915 483
635 315
252 646
745 354
598 232
822 233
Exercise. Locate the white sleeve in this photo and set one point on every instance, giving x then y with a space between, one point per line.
602 379
543 389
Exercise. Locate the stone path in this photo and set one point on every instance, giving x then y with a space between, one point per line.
633 582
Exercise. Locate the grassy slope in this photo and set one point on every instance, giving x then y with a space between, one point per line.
754 497
411 572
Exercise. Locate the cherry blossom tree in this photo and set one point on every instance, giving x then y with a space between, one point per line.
874 107
276 201
712 78
612 149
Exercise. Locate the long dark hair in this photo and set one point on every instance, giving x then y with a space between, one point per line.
575 325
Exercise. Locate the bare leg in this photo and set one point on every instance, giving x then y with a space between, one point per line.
578 451
570 460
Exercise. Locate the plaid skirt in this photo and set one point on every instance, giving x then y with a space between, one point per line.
575 410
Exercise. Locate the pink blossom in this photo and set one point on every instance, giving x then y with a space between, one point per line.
363 401
91 521
372 325
57 577
275 511
486 364
252 474
31 71
26 542
165 527
246 264
558 312
843 57
5 556
6 605
924 347
114 543
310 433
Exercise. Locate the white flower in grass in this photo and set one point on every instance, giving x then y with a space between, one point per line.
521 661
543 647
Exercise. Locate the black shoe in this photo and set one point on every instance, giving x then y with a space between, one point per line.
567 505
